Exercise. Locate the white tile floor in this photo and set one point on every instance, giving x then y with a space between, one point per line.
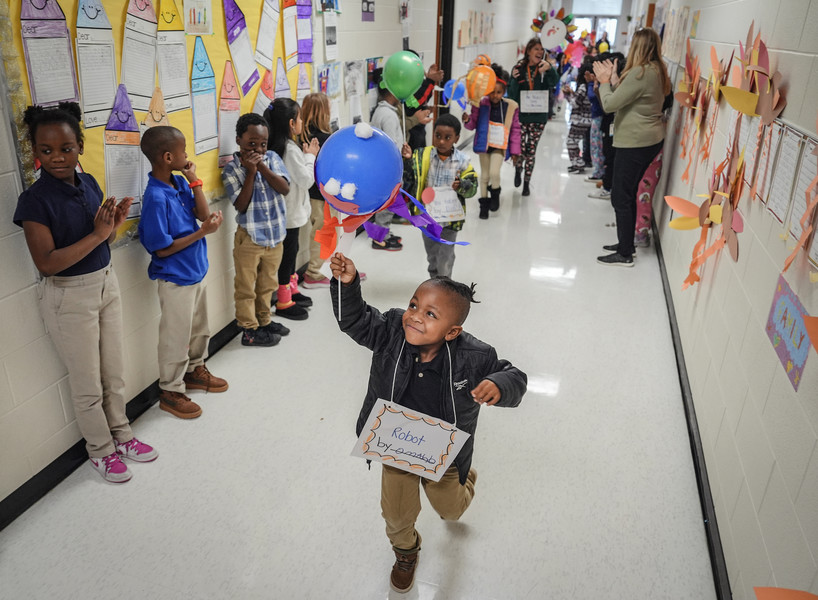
586 490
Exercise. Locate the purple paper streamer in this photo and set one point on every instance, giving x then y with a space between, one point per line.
375 232
427 225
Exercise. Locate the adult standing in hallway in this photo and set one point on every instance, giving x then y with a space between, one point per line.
639 131
531 80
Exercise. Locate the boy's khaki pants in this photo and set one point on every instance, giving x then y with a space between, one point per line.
183 332
83 316
400 502
256 278
317 222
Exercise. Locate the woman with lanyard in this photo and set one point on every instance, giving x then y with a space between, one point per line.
531 80
637 98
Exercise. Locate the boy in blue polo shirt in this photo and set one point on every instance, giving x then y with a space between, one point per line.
169 231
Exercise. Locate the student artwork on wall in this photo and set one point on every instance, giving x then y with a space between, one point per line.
354 87
229 113
198 17
304 30
265 93
330 35
240 49
171 57
96 62
367 10
139 53
123 164
282 89
789 151
203 88
303 87
290 15
267 28
787 331
157 114
48 55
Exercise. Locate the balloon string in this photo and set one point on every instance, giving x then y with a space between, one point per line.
339 297
403 111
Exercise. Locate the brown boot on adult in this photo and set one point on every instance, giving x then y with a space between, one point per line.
179 405
403 571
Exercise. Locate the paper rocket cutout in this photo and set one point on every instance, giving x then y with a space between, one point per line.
122 117
142 9
230 89
168 17
48 11
282 83
91 14
157 114
201 67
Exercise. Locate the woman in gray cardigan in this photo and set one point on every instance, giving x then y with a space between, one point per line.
639 131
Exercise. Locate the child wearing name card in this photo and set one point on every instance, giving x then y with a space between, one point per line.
444 169
423 360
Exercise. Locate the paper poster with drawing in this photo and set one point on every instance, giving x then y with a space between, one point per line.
229 112
267 29
171 57
47 49
96 62
123 158
409 440
203 88
198 17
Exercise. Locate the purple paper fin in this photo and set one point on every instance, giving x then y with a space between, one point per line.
427 225
375 232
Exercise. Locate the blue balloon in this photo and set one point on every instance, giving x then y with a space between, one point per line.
452 92
373 165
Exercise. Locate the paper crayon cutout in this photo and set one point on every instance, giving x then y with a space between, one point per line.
265 93
238 40
205 110
282 83
52 76
229 112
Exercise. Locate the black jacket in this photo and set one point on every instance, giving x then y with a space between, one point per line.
471 362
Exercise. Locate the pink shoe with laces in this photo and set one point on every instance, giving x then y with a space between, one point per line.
111 468
136 451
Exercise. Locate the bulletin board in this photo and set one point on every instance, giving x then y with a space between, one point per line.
217 48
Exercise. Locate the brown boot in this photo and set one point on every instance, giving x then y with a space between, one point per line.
179 405
403 571
202 379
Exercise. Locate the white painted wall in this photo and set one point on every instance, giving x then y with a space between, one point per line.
760 437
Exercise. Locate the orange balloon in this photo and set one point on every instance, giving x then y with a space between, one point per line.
482 59
479 82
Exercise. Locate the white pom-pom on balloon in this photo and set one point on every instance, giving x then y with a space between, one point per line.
363 130
348 191
332 186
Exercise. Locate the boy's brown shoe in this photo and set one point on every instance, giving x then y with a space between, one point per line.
202 379
179 405
403 571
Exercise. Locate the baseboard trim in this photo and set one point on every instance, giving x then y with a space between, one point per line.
24 497
721 578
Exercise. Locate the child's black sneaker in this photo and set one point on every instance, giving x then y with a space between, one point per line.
390 244
278 328
259 337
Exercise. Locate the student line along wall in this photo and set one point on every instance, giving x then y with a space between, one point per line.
760 435
36 417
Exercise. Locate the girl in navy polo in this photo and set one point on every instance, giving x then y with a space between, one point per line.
68 230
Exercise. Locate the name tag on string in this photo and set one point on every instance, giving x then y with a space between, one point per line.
409 440
498 136
610 129
443 204
534 101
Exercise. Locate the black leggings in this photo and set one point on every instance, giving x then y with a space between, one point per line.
630 165
288 257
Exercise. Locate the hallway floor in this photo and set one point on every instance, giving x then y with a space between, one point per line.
586 491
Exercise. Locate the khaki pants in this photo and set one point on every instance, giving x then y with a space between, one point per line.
256 278
400 502
83 315
317 221
183 332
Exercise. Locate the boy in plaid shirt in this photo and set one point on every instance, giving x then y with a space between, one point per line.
439 166
257 181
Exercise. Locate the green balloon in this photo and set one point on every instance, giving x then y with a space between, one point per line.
403 74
